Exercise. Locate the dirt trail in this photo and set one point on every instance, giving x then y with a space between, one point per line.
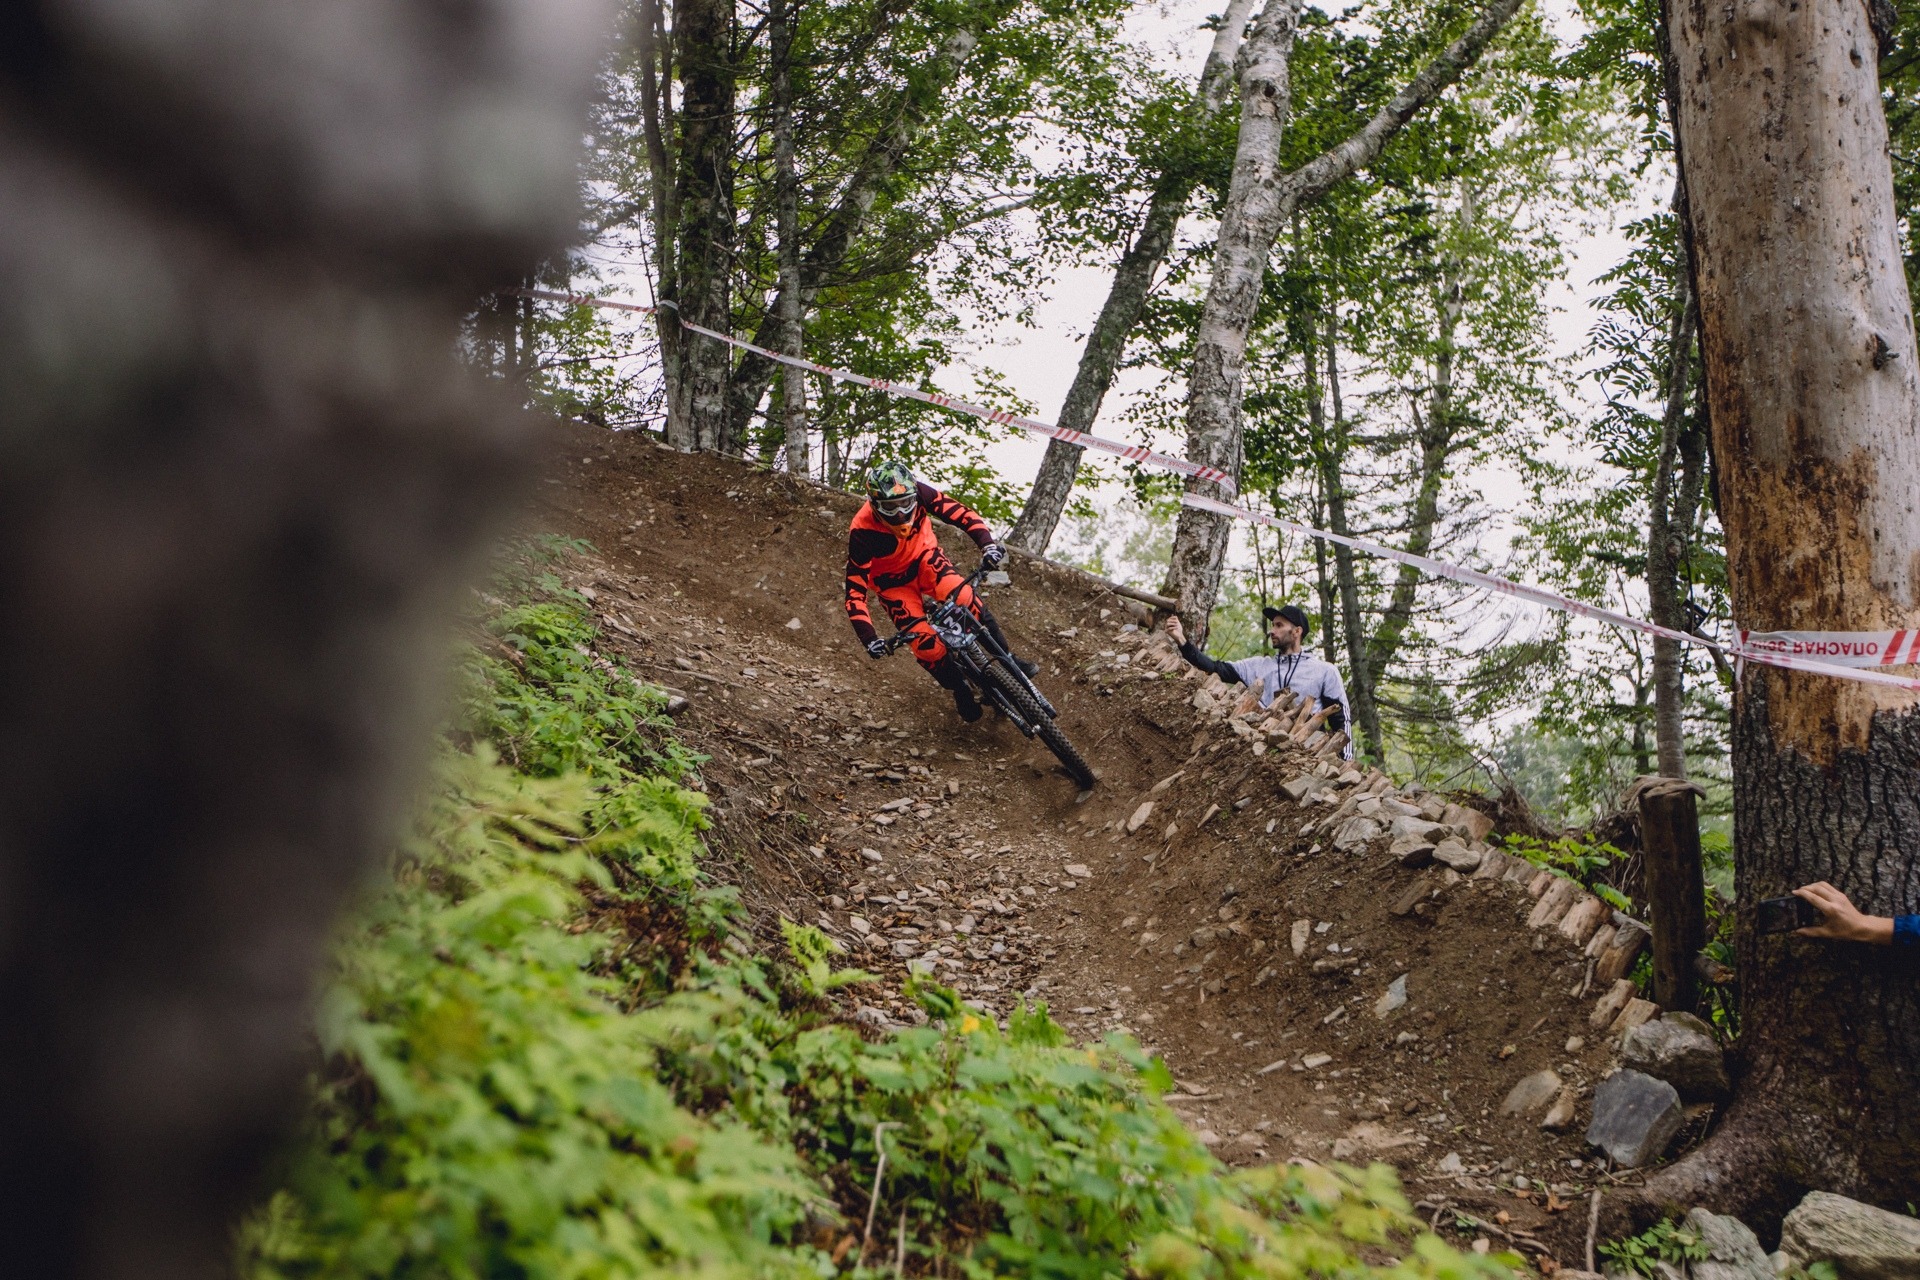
849 795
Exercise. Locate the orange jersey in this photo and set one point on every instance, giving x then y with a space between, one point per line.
881 557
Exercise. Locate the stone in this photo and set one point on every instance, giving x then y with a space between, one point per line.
1416 893
1493 865
1532 1093
1538 884
1560 1115
905 948
1316 1060
1519 871
1597 945
1862 1242
871 855
859 925
1733 1251
1476 825
1417 828
793 624
1457 856
1140 816
1394 998
1411 853
1553 903
1585 915
1634 1118
1451 1163
1630 938
1683 1055
1298 789
1608 1007
1355 832
1302 930
1637 1013
1079 871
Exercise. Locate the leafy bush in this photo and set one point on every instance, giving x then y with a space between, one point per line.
1664 1241
549 1050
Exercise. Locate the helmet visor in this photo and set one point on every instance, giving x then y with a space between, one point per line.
895 509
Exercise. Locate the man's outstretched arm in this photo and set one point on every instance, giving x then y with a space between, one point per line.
1192 653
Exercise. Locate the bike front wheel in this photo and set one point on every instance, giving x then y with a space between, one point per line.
1014 690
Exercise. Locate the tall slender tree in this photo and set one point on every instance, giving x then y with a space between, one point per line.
1127 295
1261 198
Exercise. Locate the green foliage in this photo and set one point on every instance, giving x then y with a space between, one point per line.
812 953
549 1050
1577 860
1665 1241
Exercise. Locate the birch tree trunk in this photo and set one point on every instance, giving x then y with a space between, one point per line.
1807 337
1260 199
703 39
1126 298
792 381
1330 454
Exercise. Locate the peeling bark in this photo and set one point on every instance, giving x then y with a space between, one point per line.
1807 338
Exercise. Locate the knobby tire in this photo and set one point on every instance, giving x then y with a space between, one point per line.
1035 715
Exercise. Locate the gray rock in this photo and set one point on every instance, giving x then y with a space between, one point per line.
1395 997
1634 1118
1418 828
1862 1242
1678 1049
1456 855
1411 853
1298 789
1733 1251
905 948
1532 1093
1355 832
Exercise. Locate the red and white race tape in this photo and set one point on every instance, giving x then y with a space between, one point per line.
1844 655
1776 656
1841 648
1132 452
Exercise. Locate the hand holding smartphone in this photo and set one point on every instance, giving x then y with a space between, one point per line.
1785 914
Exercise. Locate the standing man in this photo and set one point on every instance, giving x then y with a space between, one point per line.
1291 667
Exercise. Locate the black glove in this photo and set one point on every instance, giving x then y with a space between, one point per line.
877 649
993 555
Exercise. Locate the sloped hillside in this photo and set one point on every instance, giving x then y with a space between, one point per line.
1332 968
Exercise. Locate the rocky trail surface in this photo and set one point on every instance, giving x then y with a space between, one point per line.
1332 968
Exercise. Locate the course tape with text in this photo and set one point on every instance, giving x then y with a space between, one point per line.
1132 452
1772 654
1850 652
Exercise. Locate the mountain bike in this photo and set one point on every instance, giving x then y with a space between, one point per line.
990 669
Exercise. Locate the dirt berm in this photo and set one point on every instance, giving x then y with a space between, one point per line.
1314 1001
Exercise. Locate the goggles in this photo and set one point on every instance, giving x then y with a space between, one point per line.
896 509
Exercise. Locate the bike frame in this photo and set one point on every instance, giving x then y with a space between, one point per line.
973 650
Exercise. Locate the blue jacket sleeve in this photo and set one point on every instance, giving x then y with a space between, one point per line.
1906 931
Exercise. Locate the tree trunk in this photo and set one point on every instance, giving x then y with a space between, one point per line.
1669 529
1807 337
1331 459
703 36
1126 298
1437 436
656 107
1260 199
839 230
792 381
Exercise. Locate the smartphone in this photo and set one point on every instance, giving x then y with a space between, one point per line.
1784 915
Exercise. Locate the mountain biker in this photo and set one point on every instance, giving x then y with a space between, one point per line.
1292 667
892 551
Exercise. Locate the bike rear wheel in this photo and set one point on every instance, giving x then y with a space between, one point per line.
1015 691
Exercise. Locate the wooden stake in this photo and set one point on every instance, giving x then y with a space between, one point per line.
1676 889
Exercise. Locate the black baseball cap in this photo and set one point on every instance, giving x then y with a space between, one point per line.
1292 613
